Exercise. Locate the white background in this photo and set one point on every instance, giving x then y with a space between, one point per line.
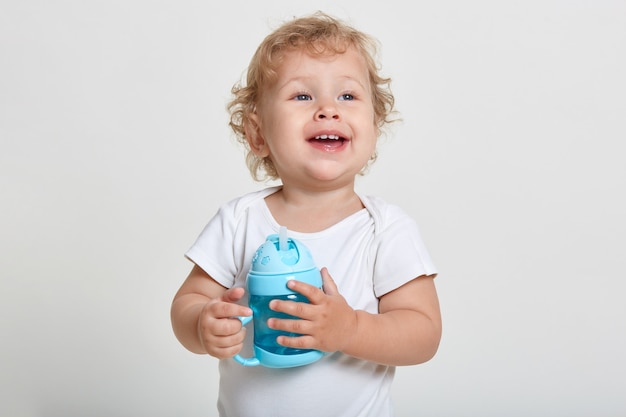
115 151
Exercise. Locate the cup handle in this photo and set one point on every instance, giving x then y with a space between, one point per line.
246 361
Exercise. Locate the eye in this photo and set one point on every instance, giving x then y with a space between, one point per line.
346 97
302 97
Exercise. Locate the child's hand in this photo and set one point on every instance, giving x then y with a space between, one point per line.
219 330
326 324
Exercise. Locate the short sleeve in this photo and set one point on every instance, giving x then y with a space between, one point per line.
401 254
213 249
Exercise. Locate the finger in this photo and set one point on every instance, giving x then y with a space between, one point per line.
222 310
311 292
226 352
228 339
329 285
210 322
300 342
301 327
292 308
224 347
232 295
227 327
227 306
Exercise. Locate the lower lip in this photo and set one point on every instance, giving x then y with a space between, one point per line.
328 145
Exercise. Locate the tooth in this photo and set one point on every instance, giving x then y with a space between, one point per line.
332 137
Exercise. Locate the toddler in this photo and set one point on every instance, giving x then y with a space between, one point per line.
309 114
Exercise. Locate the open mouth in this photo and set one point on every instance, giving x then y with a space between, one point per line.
328 140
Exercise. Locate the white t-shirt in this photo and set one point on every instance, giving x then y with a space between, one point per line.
368 254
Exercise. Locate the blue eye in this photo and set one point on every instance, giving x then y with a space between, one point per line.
346 97
302 97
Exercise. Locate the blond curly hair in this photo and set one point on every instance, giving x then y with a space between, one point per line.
317 34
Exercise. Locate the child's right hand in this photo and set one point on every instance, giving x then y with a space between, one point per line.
219 330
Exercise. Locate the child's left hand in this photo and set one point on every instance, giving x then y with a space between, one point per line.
326 324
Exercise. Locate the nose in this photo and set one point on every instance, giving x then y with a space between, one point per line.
327 111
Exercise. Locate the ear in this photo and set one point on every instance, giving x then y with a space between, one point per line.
254 136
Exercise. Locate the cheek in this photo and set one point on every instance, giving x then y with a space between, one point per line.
371 131
277 128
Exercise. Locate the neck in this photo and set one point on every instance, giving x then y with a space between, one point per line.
312 210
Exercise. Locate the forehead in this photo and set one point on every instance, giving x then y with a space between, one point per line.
349 62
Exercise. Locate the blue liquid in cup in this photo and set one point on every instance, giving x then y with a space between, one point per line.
264 337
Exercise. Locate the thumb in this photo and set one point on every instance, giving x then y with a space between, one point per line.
330 288
232 295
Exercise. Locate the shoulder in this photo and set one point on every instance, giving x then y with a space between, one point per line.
384 214
238 206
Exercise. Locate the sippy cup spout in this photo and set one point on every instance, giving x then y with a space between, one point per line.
283 244
287 250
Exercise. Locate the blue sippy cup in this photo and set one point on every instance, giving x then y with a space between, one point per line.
277 261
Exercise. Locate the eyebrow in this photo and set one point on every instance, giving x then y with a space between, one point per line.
303 79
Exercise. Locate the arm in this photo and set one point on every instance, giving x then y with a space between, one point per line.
204 314
406 331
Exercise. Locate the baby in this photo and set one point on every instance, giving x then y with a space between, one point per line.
310 115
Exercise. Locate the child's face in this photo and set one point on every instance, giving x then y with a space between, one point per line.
316 121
